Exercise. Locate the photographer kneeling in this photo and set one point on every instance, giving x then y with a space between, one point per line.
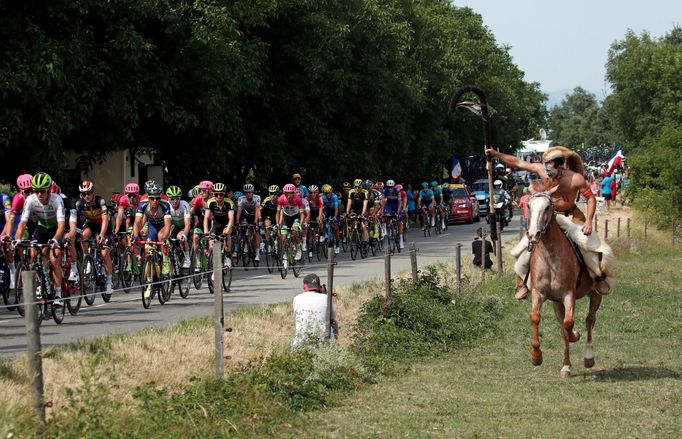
310 313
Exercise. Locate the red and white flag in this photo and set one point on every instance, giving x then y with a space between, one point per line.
616 160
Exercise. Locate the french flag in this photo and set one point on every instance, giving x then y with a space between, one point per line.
456 166
614 161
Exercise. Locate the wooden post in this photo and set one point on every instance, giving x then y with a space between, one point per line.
387 271
413 262
646 227
499 249
521 226
618 228
596 223
606 230
484 247
34 349
627 229
330 290
219 322
458 261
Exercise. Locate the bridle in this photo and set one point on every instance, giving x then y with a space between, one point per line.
541 228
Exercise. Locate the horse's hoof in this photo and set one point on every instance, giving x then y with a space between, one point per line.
589 362
575 337
536 361
566 372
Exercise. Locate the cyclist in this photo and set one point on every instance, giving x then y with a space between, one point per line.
306 216
127 206
297 183
426 198
181 220
315 203
248 211
343 197
93 216
330 202
357 203
268 210
6 221
438 199
14 217
404 202
219 214
393 205
149 184
71 231
198 205
374 205
290 212
48 211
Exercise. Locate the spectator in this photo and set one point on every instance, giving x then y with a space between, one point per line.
606 188
523 204
310 313
480 251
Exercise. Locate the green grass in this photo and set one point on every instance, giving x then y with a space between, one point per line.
492 390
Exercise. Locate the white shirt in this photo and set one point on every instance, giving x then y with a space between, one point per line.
310 313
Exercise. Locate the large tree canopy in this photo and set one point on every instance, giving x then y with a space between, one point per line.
263 87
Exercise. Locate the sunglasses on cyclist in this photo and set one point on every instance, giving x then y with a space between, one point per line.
27 191
219 194
40 191
85 194
153 198
174 198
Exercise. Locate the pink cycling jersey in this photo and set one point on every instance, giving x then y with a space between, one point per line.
292 208
18 204
124 203
198 204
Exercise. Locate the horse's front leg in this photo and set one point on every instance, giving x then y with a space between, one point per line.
570 336
595 302
536 353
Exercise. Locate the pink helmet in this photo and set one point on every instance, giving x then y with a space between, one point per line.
206 185
398 187
24 181
55 189
132 188
289 187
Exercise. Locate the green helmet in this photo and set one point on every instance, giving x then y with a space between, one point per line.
41 181
273 189
173 192
195 191
219 187
357 182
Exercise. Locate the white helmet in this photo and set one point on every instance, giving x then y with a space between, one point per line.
499 166
390 183
497 183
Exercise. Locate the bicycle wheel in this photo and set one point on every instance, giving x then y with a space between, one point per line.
8 295
89 279
227 278
19 290
57 311
286 258
310 242
244 252
354 244
345 236
105 296
182 280
196 265
209 271
253 250
147 286
165 287
116 267
126 269
75 291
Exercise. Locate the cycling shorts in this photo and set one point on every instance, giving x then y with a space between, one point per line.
291 222
42 235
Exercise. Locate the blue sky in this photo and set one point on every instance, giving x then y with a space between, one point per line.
563 44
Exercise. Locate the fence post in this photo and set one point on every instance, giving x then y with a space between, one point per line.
483 258
387 270
646 227
627 228
218 316
521 226
618 228
606 230
330 290
413 262
499 248
33 347
596 223
458 261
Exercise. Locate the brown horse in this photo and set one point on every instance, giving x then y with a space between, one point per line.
556 275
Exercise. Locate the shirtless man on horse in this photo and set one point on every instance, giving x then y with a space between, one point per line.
562 168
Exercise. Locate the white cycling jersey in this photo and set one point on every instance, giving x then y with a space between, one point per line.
179 215
249 207
47 215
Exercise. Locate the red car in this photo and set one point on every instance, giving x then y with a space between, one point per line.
463 204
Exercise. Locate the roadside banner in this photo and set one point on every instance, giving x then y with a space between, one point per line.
456 166
614 161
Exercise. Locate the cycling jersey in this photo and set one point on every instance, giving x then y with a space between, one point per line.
249 207
143 197
269 208
393 200
425 196
447 194
154 217
179 215
70 209
290 208
437 195
91 213
47 215
127 206
330 202
220 212
315 203
304 189
374 196
357 198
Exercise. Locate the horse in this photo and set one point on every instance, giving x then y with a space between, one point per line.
557 275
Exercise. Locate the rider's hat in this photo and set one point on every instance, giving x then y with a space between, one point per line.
572 159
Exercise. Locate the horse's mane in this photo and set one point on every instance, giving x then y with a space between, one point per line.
543 186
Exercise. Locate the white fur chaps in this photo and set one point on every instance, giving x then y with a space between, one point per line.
590 247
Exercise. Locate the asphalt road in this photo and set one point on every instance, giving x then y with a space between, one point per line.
125 314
